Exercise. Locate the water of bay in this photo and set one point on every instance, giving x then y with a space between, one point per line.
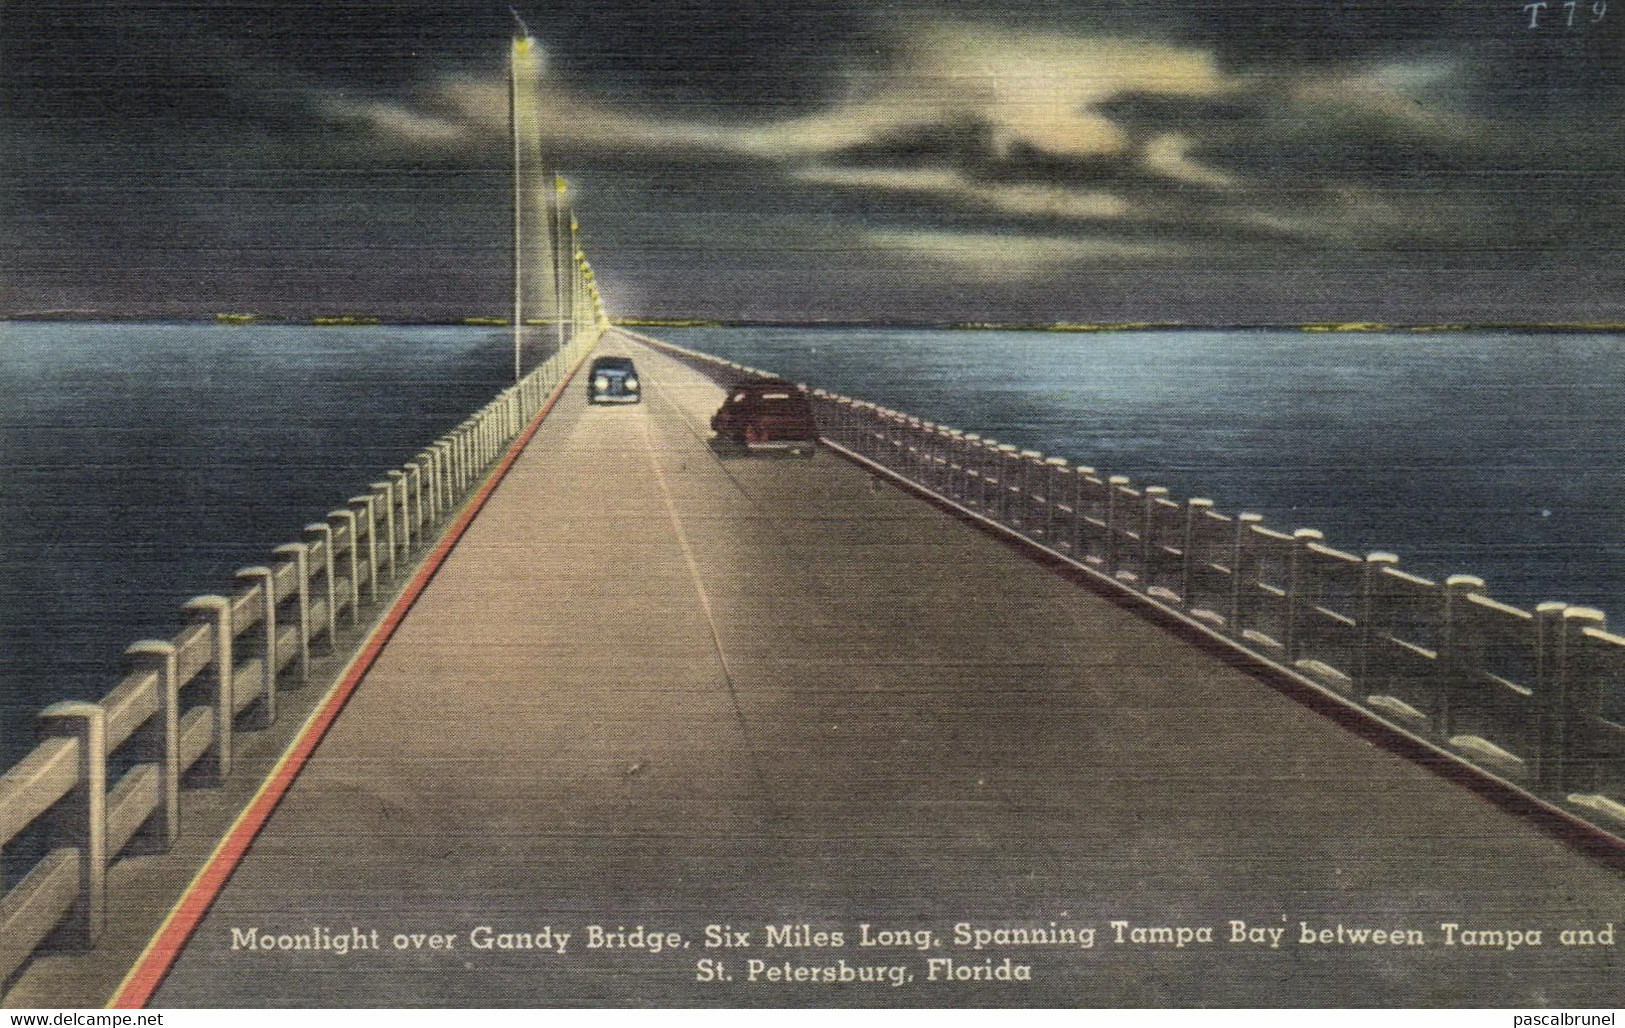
144 463
1493 454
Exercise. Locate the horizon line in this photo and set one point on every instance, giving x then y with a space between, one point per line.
92 316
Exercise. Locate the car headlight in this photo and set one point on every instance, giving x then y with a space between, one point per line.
631 384
600 382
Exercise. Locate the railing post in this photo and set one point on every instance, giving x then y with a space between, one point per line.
322 535
1148 531
969 445
420 515
925 458
1458 655
362 508
1576 767
943 446
412 480
953 467
1013 463
1370 613
1028 464
1196 509
299 556
1241 561
81 819
265 579
1549 694
974 464
384 493
990 476
920 432
1114 519
445 475
343 521
453 463
1056 471
1009 458
162 745
424 462
216 611
398 488
465 457
437 501
1081 474
1297 563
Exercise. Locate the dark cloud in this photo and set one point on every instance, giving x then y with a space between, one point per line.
1183 160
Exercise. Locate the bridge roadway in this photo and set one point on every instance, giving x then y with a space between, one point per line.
655 686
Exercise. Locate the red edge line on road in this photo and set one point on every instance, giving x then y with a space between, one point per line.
165 948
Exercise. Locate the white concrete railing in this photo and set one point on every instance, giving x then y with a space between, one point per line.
1536 698
107 777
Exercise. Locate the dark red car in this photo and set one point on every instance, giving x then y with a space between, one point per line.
767 414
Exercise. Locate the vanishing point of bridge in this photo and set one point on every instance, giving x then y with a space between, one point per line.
660 726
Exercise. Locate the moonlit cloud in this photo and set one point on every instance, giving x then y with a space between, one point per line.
1041 89
1169 155
1018 124
1414 94
994 258
1035 90
397 122
1235 161
1028 200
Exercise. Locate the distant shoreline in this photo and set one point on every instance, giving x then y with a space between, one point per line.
1079 328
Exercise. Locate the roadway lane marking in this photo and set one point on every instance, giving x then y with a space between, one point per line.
710 619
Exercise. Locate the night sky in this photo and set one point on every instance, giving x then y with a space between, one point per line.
1187 160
